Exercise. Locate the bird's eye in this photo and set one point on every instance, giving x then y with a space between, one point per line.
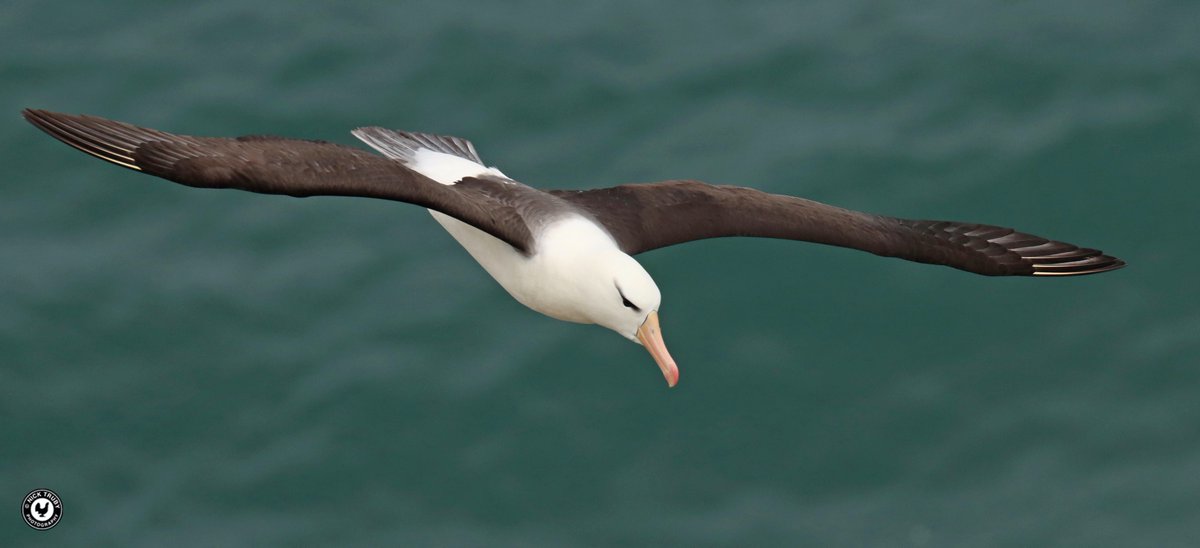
626 301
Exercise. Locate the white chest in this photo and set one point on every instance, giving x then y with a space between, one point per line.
546 281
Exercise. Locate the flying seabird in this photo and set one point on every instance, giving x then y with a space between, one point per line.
565 253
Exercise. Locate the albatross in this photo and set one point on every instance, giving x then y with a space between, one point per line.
565 253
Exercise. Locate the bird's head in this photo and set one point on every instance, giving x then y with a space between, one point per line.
626 300
590 280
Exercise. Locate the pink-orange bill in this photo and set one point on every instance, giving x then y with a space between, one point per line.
651 337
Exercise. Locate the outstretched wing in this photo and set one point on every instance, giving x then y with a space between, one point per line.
275 165
643 217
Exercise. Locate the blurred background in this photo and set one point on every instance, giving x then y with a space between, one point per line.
188 367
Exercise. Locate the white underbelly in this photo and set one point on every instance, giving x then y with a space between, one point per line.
538 281
515 272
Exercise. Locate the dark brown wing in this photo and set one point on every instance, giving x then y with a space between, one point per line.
649 216
275 165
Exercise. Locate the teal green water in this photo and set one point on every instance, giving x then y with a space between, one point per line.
199 368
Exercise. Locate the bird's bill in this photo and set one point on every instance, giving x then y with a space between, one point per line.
651 337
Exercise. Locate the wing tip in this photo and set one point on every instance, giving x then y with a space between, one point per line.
1001 251
30 114
88 134
1091 265
38 117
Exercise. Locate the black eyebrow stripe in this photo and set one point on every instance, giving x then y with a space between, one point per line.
625 300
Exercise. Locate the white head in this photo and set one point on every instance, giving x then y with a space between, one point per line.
622 293
582 276
619 294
